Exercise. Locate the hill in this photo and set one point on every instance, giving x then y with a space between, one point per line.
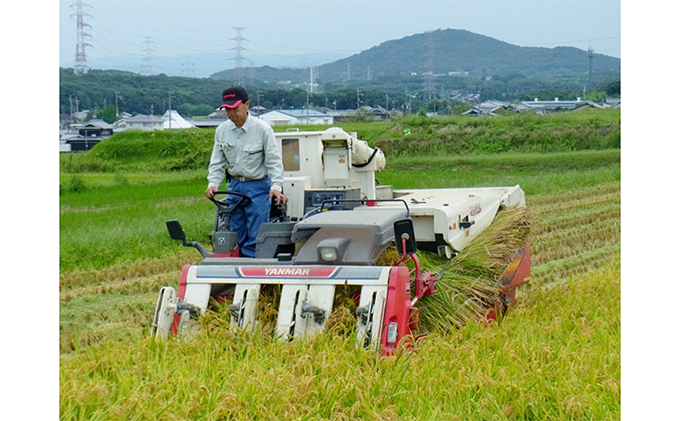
443 51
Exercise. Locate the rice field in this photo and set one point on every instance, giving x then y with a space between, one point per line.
555 356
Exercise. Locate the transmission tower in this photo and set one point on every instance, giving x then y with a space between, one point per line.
81 67
238 58
590 69
188 69
148 58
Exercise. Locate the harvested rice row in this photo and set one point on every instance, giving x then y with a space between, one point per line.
126 271
584 203
609 234
600 189
603 226
137 285
165 203
560 251
583 217
554 271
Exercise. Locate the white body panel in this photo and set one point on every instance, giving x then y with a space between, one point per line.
337 159
446 211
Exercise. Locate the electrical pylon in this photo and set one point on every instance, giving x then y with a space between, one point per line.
148 58
81 66
238 58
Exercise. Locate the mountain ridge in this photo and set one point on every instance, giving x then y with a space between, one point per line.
448 50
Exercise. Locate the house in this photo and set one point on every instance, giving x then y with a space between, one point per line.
141 122
83 137
495 108
93 128
486 108
79 143
301 117
547 107
363 113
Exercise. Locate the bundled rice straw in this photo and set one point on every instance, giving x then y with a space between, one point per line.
468 287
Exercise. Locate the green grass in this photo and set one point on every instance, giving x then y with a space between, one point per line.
189 149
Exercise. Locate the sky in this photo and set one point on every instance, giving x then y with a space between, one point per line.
310 31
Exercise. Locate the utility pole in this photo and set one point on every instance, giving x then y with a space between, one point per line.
117 94
238 58
81 67
407 96
429 78
169 110
312 78
71 102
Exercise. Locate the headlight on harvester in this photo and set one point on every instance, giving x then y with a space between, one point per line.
331 249
328 254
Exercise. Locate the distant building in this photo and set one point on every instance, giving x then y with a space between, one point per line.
92 128
141 122
303 117
79 143
83 137
547 107
486 108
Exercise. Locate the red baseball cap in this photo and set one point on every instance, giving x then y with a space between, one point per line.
232 97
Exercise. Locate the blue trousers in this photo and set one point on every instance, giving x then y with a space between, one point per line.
246 220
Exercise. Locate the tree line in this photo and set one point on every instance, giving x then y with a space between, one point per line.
111 92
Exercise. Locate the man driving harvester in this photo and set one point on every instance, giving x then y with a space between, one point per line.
246 148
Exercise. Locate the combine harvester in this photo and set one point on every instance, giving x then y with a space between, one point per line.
333 229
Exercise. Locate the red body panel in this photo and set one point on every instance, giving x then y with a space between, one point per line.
180 294
397 308
518 272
